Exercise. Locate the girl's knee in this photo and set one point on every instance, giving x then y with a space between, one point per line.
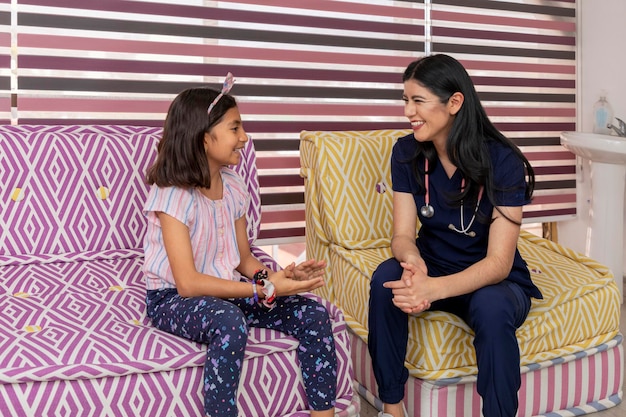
231 317
315 312
231 331
314 321
217 316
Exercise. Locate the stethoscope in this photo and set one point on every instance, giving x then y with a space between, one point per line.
428 211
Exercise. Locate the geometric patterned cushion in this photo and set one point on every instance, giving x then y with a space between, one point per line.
248 171
355 192
50 308
346 197
69 189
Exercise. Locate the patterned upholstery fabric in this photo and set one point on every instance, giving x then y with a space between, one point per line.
73 331
349 203
64 186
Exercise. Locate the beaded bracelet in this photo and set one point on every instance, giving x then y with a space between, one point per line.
254 293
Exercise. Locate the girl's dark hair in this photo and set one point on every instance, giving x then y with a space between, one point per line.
181 160
471 130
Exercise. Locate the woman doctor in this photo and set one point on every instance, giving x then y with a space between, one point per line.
467 184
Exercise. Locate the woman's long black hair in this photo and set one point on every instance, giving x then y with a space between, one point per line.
471 130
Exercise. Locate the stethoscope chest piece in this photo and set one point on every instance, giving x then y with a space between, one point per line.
427 211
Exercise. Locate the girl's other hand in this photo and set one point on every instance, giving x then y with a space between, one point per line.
305 277
306 270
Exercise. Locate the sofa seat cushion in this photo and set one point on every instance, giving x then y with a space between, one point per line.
576 290
90 324
84 322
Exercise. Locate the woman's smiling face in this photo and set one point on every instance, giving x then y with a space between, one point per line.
431 120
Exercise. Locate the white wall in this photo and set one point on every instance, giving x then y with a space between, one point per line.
602 64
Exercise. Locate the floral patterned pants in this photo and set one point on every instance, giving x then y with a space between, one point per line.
223 326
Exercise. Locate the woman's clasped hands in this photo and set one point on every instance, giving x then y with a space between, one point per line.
413 291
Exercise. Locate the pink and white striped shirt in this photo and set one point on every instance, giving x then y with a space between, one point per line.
211 225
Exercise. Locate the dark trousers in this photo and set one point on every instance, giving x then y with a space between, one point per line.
223 326
493 313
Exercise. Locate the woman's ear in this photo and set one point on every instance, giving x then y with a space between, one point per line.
455 102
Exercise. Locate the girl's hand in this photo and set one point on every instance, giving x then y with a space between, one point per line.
305 277
306 270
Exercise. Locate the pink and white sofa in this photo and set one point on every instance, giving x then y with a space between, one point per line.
74 338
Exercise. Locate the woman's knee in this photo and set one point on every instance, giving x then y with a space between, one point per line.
389 270
499 307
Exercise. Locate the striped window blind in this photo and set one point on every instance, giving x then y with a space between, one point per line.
5 61
521 56
314 65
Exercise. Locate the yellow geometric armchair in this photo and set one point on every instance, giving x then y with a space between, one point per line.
569 342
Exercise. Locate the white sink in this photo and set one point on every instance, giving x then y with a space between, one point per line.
605 237
596 147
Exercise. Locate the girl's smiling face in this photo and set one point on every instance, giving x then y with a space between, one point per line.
430 119
225 140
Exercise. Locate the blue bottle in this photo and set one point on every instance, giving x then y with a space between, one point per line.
602 115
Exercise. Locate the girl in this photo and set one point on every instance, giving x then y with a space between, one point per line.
467 184
203 282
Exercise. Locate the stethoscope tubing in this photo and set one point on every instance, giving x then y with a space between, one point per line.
428 211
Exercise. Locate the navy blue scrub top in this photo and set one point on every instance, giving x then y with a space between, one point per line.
446 251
